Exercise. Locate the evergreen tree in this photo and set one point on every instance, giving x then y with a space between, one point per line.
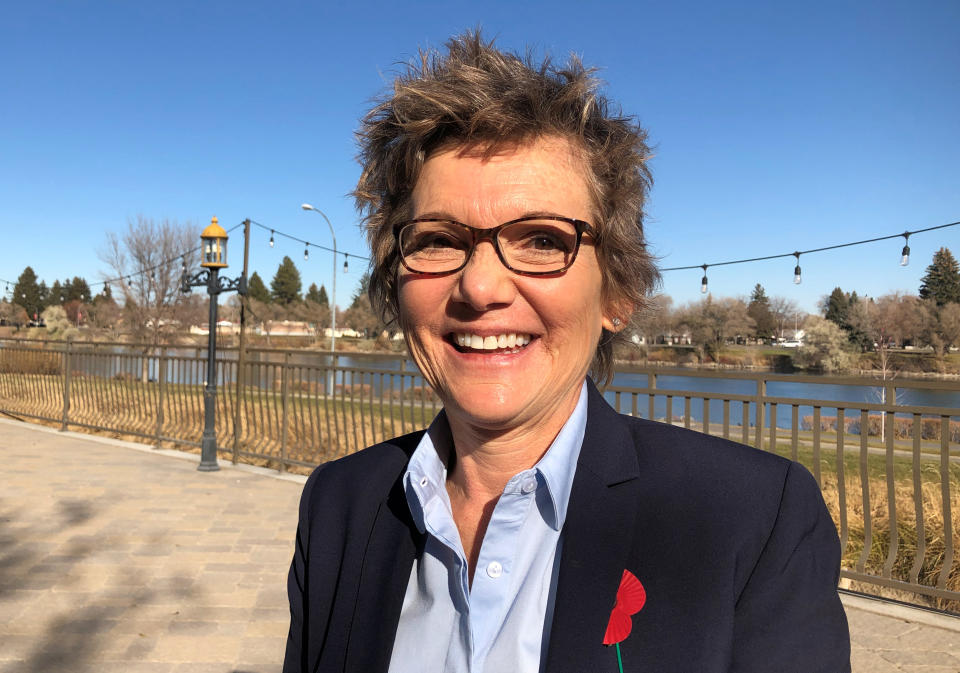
76 290
313 294
759 310
854 326
28 293
836 307
44 293
285 286
257 290
360 296
843 309
324 299
55 297
942 279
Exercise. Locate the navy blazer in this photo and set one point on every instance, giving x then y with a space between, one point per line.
734 546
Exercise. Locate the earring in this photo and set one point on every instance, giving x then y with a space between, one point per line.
616 322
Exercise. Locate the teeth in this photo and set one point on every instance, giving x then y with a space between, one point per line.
489 343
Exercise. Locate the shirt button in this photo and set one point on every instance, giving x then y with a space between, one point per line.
529 486
423 482
494 569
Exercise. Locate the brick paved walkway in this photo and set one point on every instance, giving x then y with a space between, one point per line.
114 559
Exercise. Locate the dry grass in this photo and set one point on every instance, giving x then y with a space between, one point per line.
910 560
309 427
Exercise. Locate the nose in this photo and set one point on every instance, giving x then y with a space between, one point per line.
485 283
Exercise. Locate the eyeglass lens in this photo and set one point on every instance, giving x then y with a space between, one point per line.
537 246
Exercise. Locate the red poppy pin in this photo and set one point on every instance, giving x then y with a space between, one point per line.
630 599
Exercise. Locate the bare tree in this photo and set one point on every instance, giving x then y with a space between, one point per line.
880 321
104 314
148 255
900 315
265 314
361 317
712 321
192 309
12 314
784 312
657 319
316 315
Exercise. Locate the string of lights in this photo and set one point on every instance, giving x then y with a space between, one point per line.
307 244
797 272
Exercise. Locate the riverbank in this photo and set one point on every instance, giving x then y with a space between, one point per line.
901 363
760 358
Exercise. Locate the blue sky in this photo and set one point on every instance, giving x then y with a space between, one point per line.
777 127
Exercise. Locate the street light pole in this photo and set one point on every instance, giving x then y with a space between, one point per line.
208 443
214 258
333 289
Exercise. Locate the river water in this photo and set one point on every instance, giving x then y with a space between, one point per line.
193 372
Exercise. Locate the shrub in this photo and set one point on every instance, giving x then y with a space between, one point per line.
902 427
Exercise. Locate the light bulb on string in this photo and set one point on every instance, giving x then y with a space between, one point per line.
905 253
797 278
345 256
271 238
703 281
306 251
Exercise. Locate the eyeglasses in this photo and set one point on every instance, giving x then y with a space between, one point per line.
529 246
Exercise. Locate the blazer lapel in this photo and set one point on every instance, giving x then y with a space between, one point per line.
597 538
387 563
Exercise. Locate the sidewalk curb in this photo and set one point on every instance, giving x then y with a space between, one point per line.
905 613
169 453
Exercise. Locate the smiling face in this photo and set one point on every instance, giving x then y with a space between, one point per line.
504 352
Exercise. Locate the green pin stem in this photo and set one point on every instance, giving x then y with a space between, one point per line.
619 659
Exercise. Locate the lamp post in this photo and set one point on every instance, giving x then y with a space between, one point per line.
333 292
214 258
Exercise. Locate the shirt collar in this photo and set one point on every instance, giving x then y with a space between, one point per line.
426 475
559 463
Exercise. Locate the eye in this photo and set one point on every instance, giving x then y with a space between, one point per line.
433 239
544 240
437 239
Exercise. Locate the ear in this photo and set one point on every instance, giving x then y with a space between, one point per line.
617 315
612 324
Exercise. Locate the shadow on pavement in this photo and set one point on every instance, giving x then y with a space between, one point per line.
45 562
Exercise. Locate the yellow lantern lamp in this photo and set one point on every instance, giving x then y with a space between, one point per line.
214 246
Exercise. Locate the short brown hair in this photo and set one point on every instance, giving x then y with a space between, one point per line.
477 95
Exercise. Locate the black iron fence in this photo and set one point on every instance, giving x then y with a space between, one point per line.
890 472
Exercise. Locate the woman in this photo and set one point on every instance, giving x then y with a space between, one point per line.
531 527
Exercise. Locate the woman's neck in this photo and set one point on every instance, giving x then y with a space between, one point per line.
482 460
486 459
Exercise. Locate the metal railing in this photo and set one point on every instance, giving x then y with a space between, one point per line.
889 472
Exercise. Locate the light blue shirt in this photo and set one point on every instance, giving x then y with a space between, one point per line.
503 622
